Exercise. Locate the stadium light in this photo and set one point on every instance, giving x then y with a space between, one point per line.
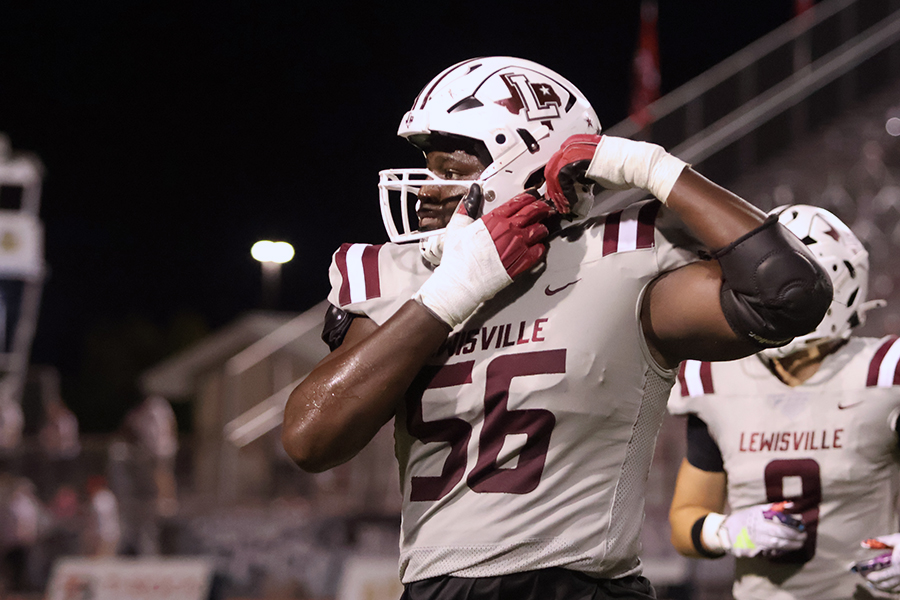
893 126
271 255
268 251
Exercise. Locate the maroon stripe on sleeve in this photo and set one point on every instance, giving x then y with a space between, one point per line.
370 270
875 365
611 233
340 260
646 231
706 377
681 381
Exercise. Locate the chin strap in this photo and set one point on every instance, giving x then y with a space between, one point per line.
813 354
432 248
793 370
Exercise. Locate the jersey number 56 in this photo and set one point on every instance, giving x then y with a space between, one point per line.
499 421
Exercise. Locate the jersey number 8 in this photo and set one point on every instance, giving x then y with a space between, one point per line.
806 504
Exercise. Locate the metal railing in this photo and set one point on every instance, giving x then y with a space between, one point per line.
269 354
755 103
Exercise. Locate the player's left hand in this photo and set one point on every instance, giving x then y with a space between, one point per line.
517 231
483 256
765 530
883 571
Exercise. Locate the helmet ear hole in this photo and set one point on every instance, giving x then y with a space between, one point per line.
852 297
851 269
535 179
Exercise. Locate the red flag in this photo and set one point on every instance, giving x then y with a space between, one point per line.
801 6
645 82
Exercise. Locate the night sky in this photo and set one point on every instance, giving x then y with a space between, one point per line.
177 133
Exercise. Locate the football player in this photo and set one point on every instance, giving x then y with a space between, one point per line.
801 443
524 355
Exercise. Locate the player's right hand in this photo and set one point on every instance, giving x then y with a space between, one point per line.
516 230
482 257
567 183
759 530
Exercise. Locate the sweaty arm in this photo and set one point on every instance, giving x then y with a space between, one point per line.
356 389
699 491
764 288
697 494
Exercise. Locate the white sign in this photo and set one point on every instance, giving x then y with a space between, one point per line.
21 244
370 578
131 579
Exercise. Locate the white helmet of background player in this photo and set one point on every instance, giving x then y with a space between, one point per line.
841 254
513 113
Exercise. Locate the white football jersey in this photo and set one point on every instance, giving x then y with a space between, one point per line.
828 445
526 441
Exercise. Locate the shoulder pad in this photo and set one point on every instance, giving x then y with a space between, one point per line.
883 368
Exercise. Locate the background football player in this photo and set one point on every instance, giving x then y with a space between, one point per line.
801 442
524 358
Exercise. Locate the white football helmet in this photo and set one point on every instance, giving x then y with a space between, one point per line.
845 259
513 113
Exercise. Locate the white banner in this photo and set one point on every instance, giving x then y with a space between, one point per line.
131 579
21 245
370 578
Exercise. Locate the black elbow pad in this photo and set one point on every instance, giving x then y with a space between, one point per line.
773 288
337 322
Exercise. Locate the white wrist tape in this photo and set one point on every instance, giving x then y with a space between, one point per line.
713 539
620 163
470 273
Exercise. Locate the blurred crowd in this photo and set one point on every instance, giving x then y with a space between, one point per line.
53 503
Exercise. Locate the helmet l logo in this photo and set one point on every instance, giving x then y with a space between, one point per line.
539 100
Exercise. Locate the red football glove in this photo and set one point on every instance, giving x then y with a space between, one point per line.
567 167
481 257
516 229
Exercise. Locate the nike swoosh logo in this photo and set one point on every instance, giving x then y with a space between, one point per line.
550 292
843 406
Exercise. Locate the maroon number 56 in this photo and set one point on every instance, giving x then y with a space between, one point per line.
499 421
